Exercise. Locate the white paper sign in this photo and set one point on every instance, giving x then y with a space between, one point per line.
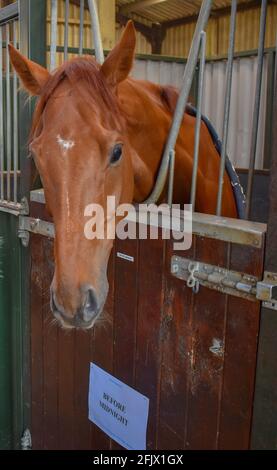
119 410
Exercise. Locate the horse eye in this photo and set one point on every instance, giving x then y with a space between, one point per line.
116 154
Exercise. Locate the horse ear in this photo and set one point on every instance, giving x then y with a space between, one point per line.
120 60
32 75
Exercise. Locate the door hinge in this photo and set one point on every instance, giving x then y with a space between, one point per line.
29 225
234 283
26 440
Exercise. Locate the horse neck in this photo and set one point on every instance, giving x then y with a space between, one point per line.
148 122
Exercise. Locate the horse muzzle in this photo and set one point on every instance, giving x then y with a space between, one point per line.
84 317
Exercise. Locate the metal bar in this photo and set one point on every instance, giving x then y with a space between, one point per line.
11 207
81 30
1 119
227 106
171 177
15 122
198 119
66 25
205 225
256 113
8 115
54 30
96 34
182 101
177 60
197 274
267 147
264 425
9 12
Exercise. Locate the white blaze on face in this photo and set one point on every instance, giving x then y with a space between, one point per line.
65 144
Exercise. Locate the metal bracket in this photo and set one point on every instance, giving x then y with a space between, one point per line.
29 225
214 277
38 226
223 280
24 209
26 440
267 290
24 237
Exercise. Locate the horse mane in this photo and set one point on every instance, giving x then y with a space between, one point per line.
169 97
85 74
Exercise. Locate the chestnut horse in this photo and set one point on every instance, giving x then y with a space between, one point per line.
96 133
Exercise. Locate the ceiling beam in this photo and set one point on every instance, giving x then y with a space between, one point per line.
216 13
138 5
142 28
154 34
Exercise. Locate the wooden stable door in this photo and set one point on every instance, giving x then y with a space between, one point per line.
193 355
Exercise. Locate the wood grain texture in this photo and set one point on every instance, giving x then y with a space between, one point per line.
159 338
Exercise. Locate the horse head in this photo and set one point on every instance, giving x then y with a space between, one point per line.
81 150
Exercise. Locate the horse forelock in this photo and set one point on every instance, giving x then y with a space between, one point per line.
83 73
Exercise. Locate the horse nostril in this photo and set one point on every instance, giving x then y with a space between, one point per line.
53 305
90 309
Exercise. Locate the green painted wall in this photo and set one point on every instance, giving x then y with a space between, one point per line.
9 313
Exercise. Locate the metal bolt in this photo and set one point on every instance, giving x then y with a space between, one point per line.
175 268
34 224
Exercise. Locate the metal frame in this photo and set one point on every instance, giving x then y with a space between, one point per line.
95 31
32 41
264 429
205 225
181 103
33 45
8 121
227 105
256 113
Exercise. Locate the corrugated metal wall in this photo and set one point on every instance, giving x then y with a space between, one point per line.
162 72
242 104
242 101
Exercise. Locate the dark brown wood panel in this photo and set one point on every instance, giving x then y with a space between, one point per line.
242 332
150 309
50 341
156 336
125 310
265 409
102 346
81 379
176 343
125 313
37 341
207 352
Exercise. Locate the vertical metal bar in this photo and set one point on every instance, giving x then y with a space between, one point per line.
54 30
81 29
256 113
269 111
66 27
15 121
96 34
227 105
182 101
1 119
198 119
8 114
171 177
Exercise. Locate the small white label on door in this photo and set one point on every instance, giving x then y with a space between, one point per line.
119 410
126 257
